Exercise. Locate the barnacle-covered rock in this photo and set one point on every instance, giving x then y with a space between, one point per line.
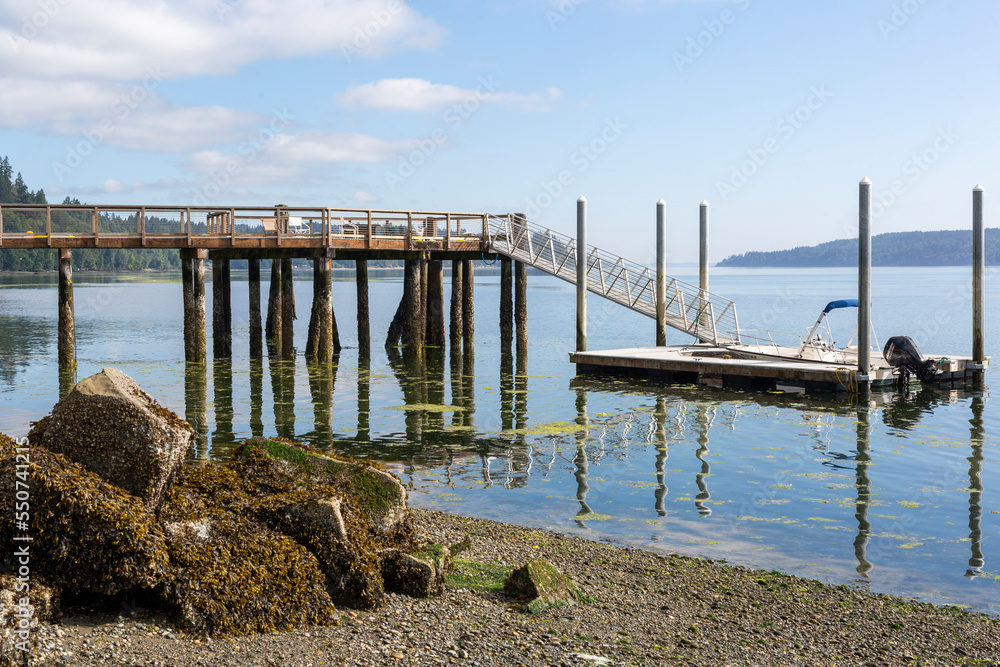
112 427
87 535
279 466
420 574
23 605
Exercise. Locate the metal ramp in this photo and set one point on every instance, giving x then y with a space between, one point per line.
706 316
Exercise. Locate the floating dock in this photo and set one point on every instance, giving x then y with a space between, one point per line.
711 365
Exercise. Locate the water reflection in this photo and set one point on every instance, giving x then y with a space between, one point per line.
196 405
705 419
322 380
978 437
580 460
862 486
223 438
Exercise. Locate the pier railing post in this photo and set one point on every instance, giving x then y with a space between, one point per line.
661 273
864 283
581 274
978 286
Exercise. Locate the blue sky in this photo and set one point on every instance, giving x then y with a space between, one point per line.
771 111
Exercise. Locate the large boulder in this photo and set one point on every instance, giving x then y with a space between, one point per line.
113 428
87 535
348 514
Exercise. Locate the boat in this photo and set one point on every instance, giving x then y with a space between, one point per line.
814 347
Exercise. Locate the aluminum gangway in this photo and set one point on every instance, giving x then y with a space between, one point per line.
708 317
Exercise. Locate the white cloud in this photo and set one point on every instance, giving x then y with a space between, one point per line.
363 197
113 186
120 39
132 117
411 94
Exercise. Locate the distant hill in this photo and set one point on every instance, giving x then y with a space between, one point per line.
945 248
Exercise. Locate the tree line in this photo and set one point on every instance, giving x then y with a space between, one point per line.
941 248
13 190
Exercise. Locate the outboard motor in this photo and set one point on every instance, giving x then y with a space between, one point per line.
902 353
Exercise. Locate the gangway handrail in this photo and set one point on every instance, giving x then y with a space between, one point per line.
689 309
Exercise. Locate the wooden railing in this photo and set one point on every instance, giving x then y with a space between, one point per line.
186 225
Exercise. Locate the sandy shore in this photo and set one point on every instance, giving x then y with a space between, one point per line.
646 609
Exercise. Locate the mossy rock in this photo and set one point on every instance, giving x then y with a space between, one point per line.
276 465
230 576
420 574
89 535
541 586
312 499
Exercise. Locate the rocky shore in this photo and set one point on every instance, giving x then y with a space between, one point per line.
642 609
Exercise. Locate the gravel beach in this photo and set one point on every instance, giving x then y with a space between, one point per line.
644 609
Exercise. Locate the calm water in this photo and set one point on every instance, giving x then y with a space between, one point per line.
897 495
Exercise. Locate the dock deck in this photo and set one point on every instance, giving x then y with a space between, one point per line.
715 366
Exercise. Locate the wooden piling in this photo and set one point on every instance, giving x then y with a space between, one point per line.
978 286
661 273
273 327
394 336
256 333
455 330
506 305
67 324
521 307
414 327
423 296
287 311
193 286
435 304
222 316
364 323
581 274
864 283
468 304
319 343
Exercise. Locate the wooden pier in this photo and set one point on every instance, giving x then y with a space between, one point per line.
423 239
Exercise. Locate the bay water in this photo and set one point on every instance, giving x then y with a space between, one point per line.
896 494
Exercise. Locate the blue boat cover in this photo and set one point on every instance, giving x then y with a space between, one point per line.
843 303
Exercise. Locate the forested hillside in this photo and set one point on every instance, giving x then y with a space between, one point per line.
944 248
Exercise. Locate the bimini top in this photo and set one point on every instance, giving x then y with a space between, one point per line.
843 303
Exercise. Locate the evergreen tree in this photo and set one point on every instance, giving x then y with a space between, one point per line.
21 193
6 187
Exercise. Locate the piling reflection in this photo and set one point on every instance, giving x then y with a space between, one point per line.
196 405
223 437
283 391
704 419
364 399
658 435
322 380
257 396
978 439
580 460
862 485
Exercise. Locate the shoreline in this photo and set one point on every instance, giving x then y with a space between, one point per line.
646 609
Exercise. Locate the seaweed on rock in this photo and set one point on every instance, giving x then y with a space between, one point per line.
89 535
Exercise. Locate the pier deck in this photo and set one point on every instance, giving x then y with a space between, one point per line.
710 365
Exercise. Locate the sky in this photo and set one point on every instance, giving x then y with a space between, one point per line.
772 112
